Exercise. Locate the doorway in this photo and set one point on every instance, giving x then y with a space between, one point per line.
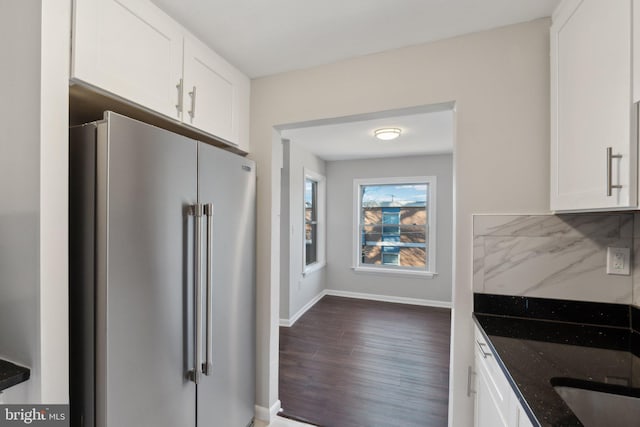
350 266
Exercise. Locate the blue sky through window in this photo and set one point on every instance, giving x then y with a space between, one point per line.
308 191
396 194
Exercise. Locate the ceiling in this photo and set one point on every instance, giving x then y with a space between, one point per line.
423 133
264 37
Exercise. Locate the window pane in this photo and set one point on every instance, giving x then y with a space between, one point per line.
311 255
394 224
310 220
390 258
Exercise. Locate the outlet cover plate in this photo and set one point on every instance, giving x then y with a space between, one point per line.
618 261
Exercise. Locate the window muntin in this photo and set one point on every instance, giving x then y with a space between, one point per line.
311 221
394 217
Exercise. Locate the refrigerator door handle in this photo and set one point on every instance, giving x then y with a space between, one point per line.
195 374
207 367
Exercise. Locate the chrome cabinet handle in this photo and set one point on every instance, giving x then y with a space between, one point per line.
196 211
192 112
610 157
481 347
179 105
207 367
470 375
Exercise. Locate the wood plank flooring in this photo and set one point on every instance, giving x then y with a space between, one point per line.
357 363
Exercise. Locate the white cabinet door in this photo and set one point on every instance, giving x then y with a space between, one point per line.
493 392
523 418
591 107
216 96
487 410
131 49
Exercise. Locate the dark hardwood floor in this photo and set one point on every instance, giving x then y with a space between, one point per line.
356 363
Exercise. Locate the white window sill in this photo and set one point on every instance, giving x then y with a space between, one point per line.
313 268
395 272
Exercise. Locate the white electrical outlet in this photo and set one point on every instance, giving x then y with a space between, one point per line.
618 260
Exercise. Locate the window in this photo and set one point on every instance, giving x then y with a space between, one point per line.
394 223
314 229
310 221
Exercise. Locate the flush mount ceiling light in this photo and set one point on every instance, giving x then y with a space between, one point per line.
387 134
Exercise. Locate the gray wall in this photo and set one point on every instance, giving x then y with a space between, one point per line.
296 290
20 192
34 127
285 233
340 275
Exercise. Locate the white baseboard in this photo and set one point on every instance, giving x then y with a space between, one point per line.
359 295
387 298
289 322
267 414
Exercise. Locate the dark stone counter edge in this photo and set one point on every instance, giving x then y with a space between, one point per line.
12 374
566 311
505 371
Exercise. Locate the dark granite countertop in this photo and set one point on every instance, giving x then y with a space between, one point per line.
540 341
12 374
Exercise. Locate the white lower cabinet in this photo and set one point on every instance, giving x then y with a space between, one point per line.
488 411
496 404
522 419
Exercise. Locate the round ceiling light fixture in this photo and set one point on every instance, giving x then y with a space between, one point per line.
387 134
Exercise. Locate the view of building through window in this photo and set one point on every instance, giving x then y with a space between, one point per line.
311 220
393 224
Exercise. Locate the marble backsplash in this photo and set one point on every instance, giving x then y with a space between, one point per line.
555 256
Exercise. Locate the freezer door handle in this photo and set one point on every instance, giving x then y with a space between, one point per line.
195 374
207 367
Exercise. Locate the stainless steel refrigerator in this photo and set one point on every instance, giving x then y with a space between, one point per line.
162 279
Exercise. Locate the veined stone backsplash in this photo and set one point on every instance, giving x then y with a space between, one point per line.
555 256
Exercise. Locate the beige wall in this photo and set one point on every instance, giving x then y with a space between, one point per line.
499 80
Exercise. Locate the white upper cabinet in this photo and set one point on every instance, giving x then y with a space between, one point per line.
593 118
215 92
131 49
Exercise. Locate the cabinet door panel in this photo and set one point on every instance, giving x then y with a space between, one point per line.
221 93
131 49
592 106
487 411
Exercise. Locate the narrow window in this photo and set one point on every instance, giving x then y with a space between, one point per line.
311 221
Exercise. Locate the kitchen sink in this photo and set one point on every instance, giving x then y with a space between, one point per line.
600 404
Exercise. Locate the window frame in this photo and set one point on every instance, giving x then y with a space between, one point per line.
430 270
320 262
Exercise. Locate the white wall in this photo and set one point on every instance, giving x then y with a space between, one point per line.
499 80
299 289
340 275
34 47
